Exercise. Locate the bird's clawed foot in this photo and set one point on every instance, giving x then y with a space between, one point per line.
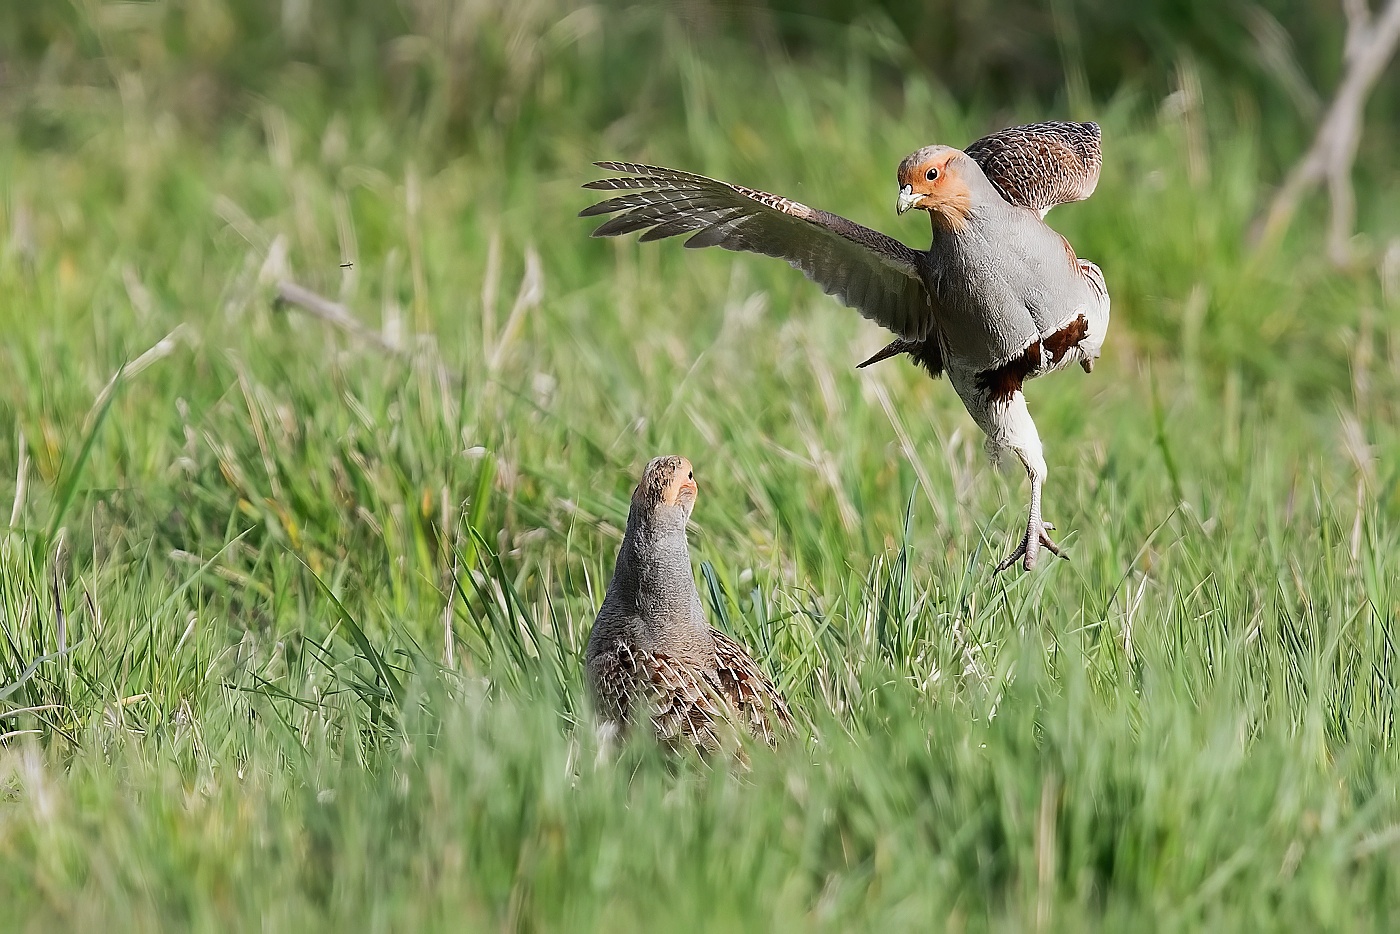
1037 537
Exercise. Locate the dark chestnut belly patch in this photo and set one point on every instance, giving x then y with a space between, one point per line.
1003 382
1059 343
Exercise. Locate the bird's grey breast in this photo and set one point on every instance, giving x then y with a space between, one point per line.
1002 281
983 321
1041 266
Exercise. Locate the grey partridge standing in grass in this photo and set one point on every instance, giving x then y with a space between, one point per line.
652 658
998 298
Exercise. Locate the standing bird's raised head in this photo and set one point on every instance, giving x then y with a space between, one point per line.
668 483
936 179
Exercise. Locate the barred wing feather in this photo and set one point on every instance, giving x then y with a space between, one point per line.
1041 165
866 270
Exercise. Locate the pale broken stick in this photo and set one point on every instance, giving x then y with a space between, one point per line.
333 313
1370 44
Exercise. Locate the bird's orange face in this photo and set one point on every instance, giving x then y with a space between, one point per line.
681 489
669 481
930 181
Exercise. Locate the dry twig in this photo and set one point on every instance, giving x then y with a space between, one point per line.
1370 43
333 313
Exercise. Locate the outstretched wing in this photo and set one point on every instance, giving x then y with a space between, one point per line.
868 271
1041 165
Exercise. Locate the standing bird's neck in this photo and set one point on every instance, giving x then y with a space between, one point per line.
655 548
654 575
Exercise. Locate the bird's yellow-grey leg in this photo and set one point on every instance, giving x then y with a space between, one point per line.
1037 536
1016 431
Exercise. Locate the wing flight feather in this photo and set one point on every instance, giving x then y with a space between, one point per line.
864 269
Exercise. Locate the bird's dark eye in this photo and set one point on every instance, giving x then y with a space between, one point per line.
690 475
931 174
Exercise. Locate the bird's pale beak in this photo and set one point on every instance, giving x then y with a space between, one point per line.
907 199
692 486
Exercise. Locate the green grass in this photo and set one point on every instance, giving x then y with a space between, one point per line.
307 614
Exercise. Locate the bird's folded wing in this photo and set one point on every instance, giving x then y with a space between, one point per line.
868 271
748 690
1041 165
681 706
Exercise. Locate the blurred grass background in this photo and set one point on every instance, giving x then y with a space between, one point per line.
290 622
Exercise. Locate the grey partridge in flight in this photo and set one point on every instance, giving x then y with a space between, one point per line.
652 658
997 299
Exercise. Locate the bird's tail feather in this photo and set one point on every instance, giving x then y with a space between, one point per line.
897 346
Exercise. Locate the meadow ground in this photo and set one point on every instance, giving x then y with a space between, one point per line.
290 620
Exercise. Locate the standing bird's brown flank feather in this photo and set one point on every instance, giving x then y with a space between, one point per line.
760 706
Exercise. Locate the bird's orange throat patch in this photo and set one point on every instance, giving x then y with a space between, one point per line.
949 204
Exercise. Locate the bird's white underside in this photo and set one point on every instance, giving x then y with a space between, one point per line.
1012 429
